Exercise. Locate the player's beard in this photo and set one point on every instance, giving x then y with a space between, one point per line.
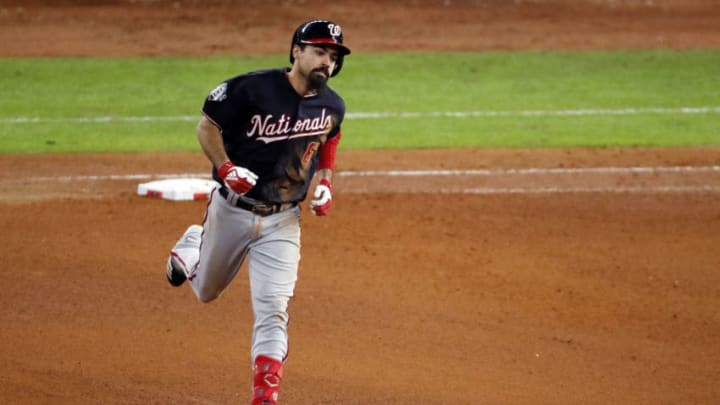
317 80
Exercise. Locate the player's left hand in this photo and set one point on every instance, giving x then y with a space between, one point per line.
323 198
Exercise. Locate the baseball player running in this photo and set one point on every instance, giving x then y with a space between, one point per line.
267 134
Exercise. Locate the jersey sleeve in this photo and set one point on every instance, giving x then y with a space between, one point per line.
339 117
326 158
225 103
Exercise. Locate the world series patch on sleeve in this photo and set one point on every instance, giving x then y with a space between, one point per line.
186 189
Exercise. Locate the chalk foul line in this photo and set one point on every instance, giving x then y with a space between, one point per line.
381 115
416 173
531 171
559 190
648 188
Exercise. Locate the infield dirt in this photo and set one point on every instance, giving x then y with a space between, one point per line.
560 287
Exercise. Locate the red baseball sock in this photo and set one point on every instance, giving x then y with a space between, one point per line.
267 374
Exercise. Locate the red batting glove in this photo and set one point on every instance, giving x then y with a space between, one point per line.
323 198
238 179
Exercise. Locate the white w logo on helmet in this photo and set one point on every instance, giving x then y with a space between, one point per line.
335 30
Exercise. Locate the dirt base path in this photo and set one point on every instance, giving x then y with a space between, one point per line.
482 277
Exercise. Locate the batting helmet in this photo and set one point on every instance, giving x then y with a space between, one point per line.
319 33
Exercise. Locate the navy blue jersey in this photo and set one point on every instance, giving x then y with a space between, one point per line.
273 131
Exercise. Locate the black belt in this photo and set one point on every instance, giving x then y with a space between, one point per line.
261 208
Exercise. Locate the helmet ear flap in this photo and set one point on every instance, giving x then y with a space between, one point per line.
338 66
292 50
295 41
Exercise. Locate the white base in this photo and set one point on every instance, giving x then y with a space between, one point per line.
178 189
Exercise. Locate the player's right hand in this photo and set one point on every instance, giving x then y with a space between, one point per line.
238 179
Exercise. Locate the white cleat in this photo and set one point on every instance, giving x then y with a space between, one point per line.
176 270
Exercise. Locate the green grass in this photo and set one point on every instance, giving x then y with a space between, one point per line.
57 89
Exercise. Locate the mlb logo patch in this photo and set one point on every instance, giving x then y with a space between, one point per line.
219 94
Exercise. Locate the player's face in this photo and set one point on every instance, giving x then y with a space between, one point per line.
316 63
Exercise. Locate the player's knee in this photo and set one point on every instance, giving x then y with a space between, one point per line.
205 299
207 295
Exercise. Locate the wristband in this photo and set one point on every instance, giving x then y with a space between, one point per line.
225 168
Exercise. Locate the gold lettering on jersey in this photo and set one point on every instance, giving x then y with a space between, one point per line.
269 129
